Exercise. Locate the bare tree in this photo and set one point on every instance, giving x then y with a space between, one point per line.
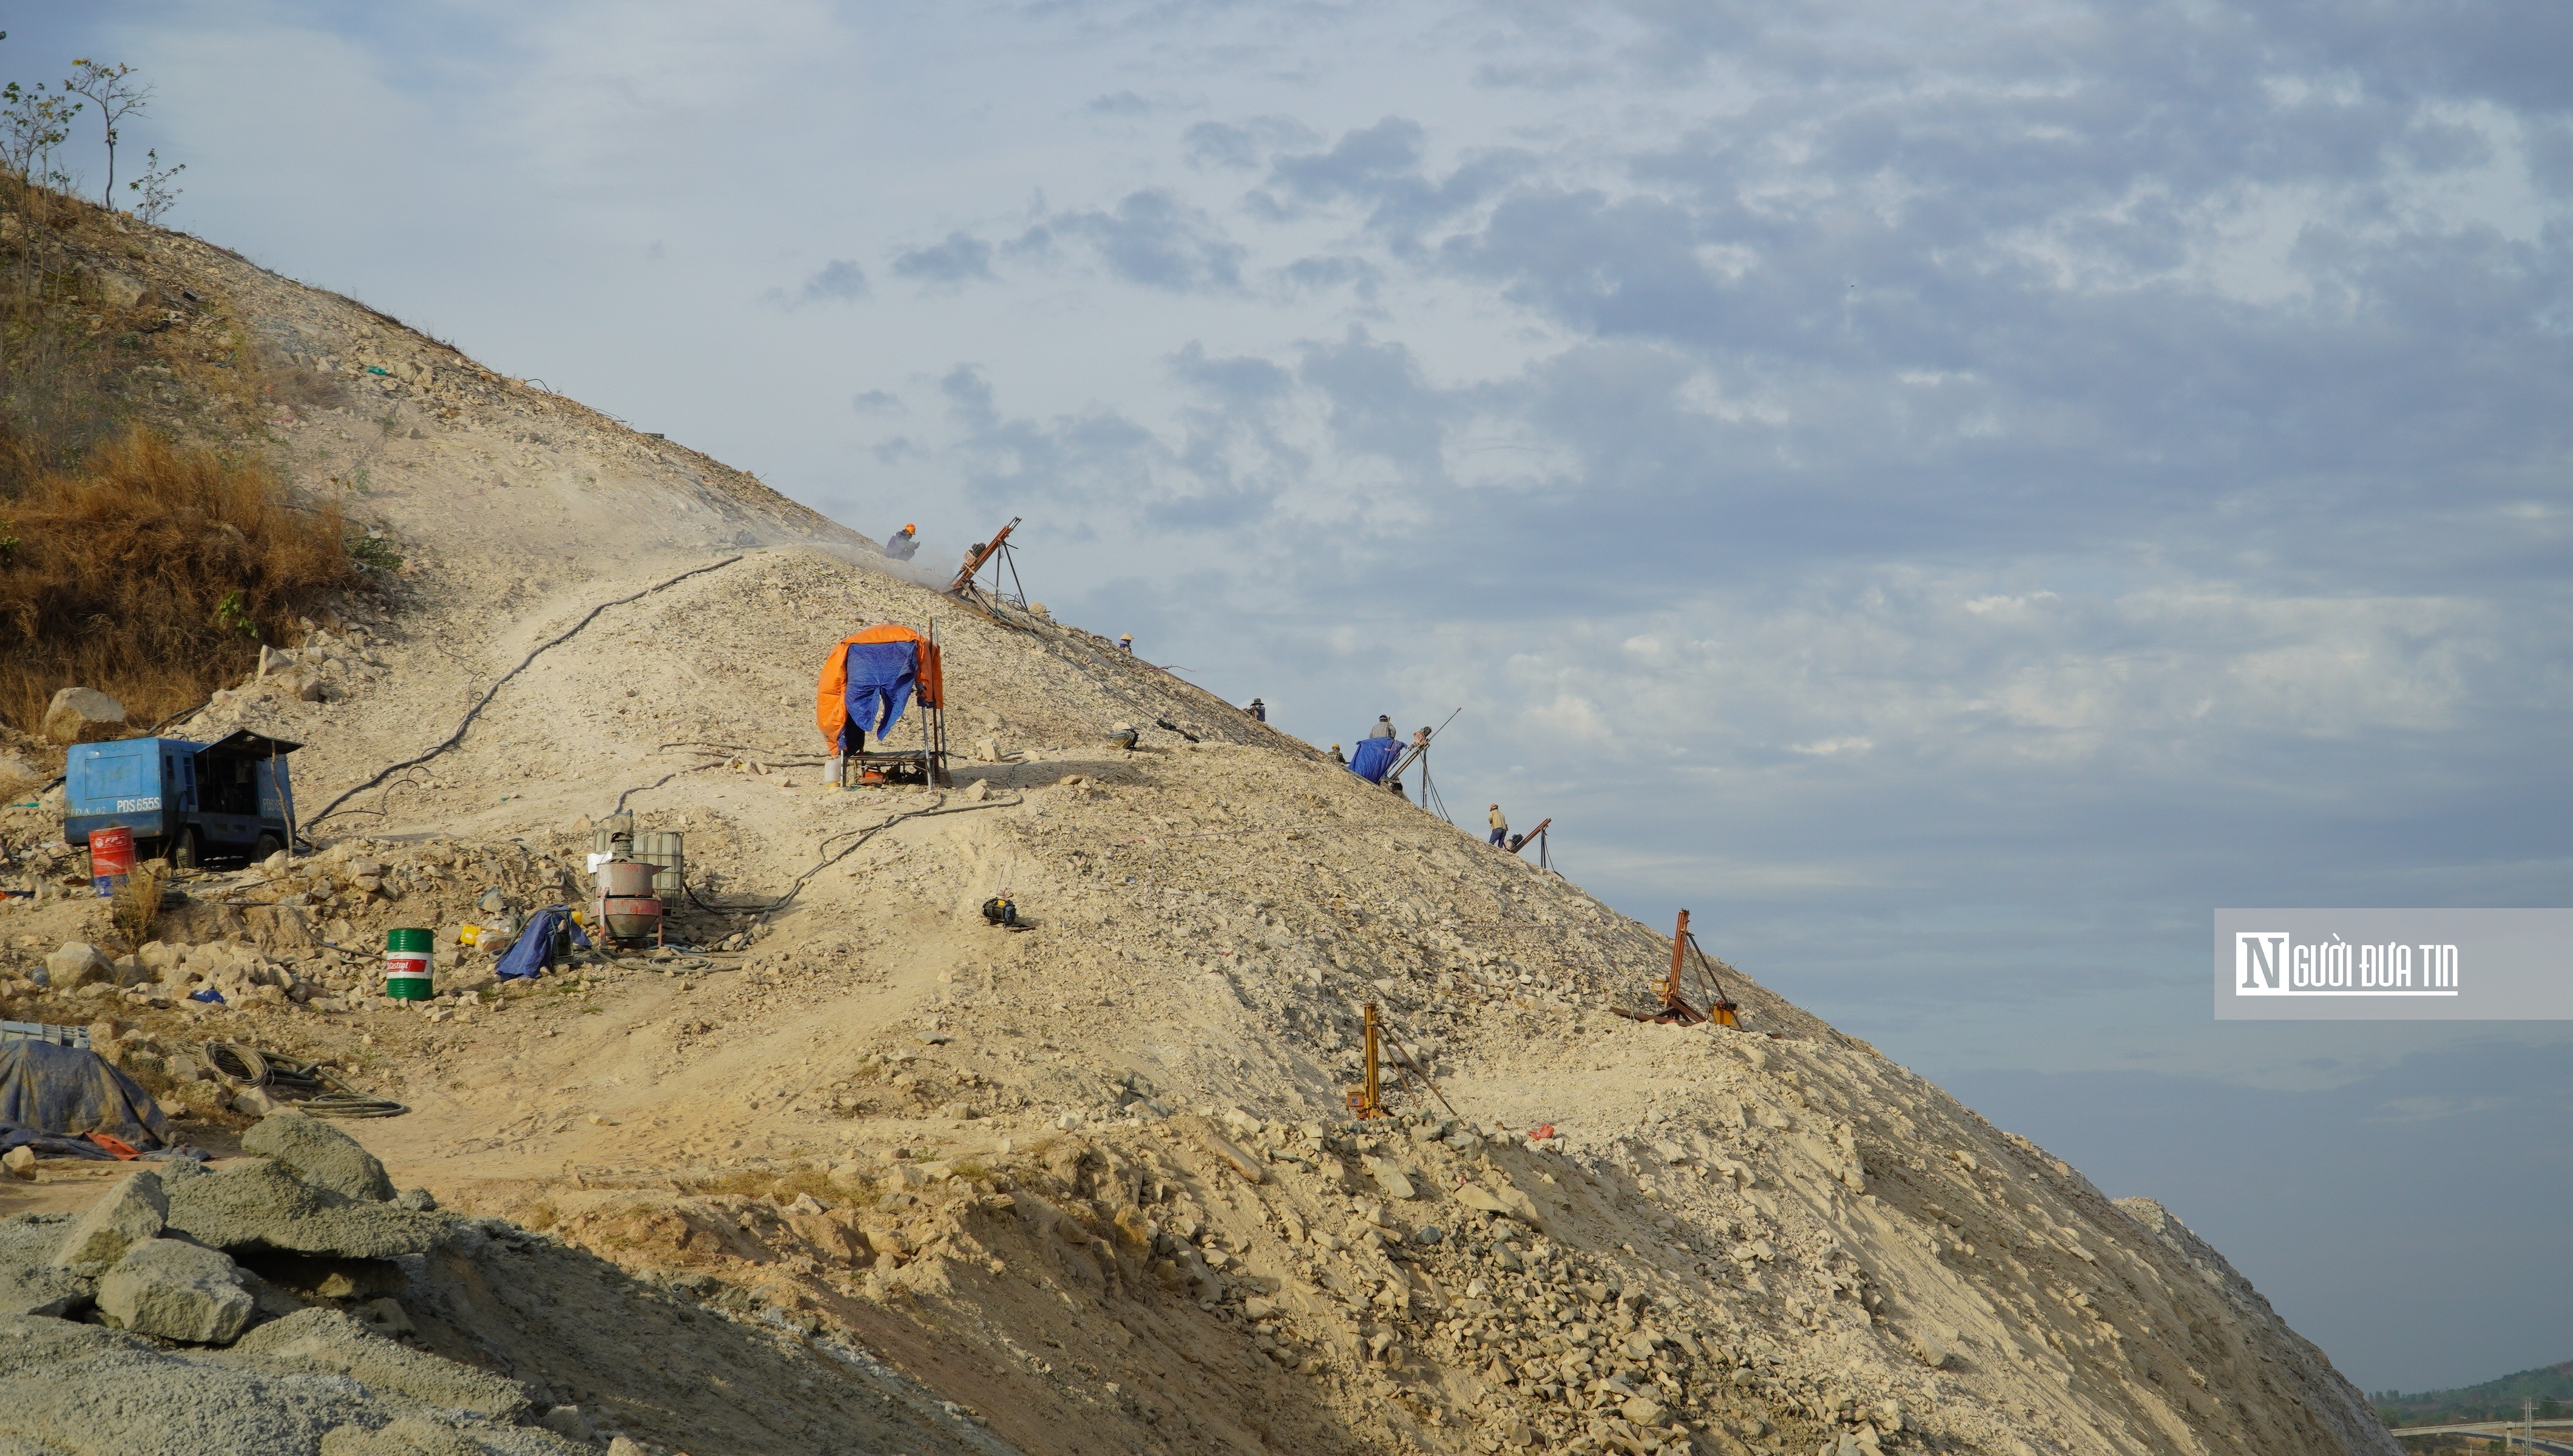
117 94
153 191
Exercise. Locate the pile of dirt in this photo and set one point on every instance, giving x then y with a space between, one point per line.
1097 1182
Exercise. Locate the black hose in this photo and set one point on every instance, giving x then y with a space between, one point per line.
862 836
656 783
780 756
241 1067
489 693
250 1068
384 801
352 1105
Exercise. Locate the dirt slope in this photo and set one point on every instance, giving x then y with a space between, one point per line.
1096 1182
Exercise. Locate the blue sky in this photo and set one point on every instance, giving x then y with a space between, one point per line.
1950 493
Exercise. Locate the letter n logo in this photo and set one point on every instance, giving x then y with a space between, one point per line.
2259 963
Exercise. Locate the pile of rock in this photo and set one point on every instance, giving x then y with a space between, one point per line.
172 1315
242 973
163 1253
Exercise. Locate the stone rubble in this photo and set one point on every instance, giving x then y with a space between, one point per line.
200 1336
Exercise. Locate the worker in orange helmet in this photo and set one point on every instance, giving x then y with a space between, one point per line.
903 542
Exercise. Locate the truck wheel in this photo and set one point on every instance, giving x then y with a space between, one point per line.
183 853
269 844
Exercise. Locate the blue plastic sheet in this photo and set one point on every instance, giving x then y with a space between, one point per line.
881 678
533 950
1376 758
52 1095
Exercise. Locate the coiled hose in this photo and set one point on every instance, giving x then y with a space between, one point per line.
247 1067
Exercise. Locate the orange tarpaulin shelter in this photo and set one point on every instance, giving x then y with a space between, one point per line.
924 678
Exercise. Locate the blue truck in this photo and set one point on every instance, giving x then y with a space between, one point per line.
189 802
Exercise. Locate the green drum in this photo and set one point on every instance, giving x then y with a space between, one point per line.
406 955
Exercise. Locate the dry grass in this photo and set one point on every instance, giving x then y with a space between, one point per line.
136 904
152 572
144 568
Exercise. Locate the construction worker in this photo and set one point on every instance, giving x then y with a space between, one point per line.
1258 711
1339 757
1500 826
1127 641
1384 728
903 542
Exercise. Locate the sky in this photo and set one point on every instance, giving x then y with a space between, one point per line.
1951 494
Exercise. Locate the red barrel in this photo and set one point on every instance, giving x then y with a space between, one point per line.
111 858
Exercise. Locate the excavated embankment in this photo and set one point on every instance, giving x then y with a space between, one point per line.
1096 1182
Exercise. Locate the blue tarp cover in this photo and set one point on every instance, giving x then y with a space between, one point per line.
1374 758
50 1095
881 678
535 945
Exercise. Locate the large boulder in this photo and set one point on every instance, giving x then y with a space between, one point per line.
320 1154
327 1342
83 715
177 1292
260 1205
77 964
133 1212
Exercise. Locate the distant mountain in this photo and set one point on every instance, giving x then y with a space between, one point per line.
2493 1400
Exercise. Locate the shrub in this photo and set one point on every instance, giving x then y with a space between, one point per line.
136 906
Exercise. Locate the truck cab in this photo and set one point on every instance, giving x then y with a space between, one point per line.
189 802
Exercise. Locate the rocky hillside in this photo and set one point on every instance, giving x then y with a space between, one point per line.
1096 1183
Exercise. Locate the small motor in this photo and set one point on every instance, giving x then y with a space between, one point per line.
1001 911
